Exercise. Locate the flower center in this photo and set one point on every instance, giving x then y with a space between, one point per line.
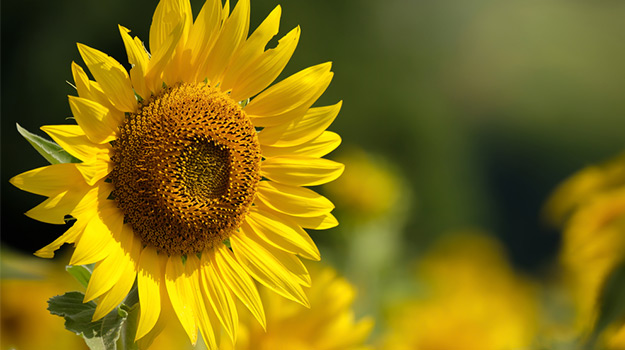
185 168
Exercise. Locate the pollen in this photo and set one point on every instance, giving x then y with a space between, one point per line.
185 168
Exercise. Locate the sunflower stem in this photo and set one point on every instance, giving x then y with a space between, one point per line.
129 327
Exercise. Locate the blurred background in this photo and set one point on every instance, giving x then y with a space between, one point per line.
459 116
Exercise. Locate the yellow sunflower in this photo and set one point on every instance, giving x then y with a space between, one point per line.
589 207
329 323
193 170
472 300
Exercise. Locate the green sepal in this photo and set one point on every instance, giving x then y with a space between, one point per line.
81 273
51 151
611 304
99 335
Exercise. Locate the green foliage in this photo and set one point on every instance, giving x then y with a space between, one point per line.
114 331
99 335
611 304
81 273
51 151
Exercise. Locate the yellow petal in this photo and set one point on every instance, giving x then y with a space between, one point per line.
180 289
111 76
282 234
290 93
322 222
167 315
108 271
202 37
297 201
94 170
301 171
218 297
96 241
94 119
49 180
54 209
234 31
238 281
91 90
168 15
252 48
263 71
300 130
325 143
259 262
74 140
161 58
74 202
70 236
149 279
128 266
138 58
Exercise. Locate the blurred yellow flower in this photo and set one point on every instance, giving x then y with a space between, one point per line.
25 288
329 323
472 301
368 188
590 209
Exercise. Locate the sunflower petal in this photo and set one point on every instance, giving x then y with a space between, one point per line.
168 15
160 59
94 170
128 267
138 59
202 37
54 209
94 119
259 262
180 289
70 236
301 171
252 48
91 90
263 71
238 281
111 76
325 143
282 234
96 241
74 140
322 222
108 271
300 130
234 31
296 201
49 180
290 93
218 297
149 278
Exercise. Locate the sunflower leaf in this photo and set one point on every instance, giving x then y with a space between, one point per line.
51 151
99 335
81 273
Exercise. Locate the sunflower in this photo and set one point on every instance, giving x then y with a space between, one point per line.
192 170
472 300
329 323
589 207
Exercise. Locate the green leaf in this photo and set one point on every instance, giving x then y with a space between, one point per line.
52 152
611 303
129 331
81 273
100 335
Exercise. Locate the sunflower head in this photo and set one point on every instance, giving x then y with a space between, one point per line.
185 168
193 170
